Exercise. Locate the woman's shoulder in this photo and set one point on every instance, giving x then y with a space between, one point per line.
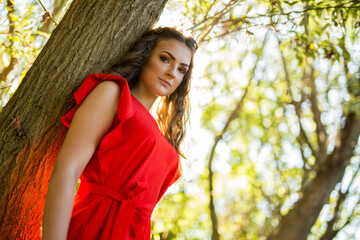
107 93
109 87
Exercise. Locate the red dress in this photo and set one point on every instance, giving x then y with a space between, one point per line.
127 175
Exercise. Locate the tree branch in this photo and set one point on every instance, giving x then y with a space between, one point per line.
234 115
348 137
47 13
330 232
222 12
304 159
206 29
208 10
5 72
321 133
13 61
58 6
297 223
296 105
216 18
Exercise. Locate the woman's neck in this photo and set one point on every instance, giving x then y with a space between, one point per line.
147 102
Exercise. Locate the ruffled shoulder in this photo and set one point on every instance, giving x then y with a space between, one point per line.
125 108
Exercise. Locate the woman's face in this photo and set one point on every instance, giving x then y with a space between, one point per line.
165 68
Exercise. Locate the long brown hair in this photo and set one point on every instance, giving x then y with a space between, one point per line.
173 110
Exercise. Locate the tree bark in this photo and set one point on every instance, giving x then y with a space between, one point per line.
92 36
297 223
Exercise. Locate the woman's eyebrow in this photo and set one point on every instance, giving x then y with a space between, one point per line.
174 58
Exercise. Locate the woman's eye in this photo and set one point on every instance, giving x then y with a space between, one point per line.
183 71
164 59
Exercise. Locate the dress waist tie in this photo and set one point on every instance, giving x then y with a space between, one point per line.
127 208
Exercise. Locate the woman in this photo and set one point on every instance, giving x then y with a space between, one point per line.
125 161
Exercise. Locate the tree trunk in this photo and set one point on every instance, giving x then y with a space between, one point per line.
93 35
296 225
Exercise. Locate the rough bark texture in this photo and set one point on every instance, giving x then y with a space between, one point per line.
296 225
92 36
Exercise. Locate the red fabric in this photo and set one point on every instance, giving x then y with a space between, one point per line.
126 176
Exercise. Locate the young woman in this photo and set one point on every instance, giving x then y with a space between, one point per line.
124 158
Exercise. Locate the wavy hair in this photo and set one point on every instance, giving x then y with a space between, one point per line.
173 110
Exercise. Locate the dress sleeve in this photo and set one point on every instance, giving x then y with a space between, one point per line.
178 174
125 108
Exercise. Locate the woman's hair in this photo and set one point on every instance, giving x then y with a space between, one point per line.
173 110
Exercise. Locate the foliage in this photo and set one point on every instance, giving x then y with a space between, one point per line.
267 157
299 82
22 35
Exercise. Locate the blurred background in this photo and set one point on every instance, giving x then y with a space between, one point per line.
275 90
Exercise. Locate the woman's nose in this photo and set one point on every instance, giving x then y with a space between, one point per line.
170 72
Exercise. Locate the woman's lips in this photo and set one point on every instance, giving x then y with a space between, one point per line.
165 82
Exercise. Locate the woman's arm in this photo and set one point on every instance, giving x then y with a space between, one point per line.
91 121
